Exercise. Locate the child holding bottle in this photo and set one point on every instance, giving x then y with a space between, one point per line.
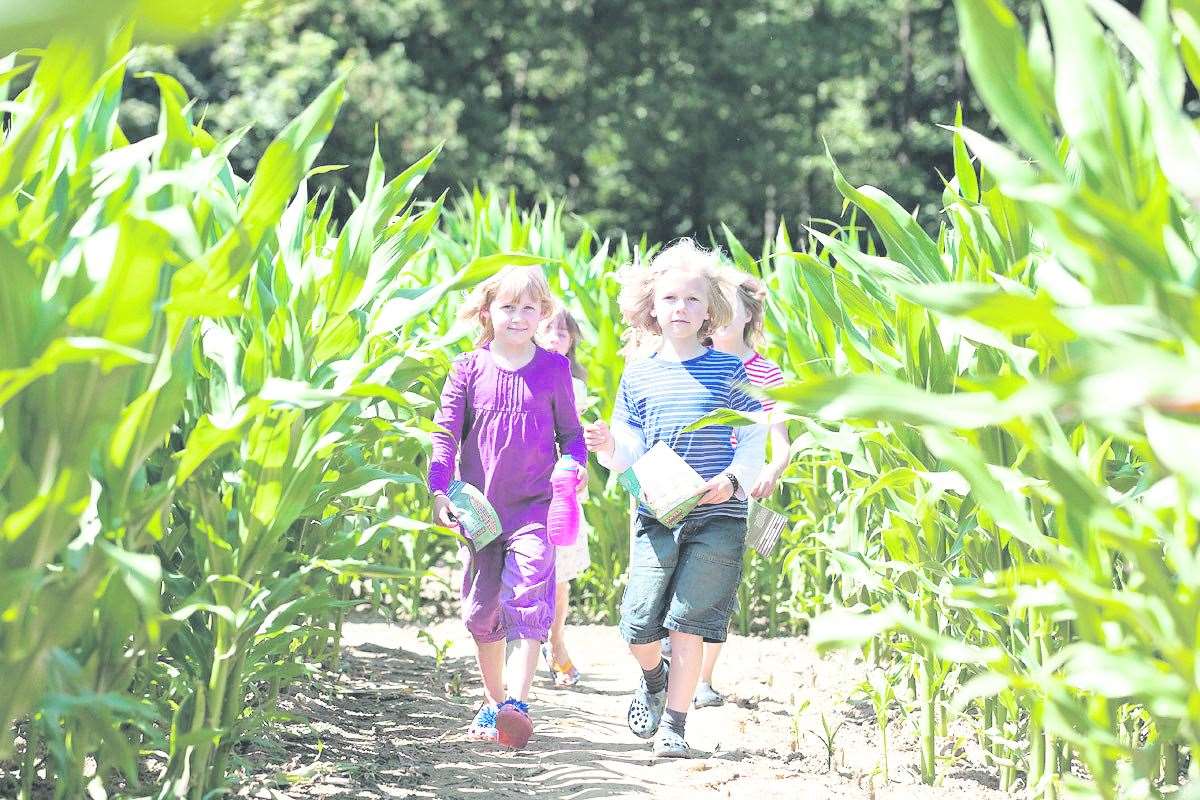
508 412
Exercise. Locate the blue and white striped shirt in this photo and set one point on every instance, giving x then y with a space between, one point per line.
658 398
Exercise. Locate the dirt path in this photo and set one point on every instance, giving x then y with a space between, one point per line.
390 725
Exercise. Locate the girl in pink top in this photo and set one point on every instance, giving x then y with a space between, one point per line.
747 295
560 333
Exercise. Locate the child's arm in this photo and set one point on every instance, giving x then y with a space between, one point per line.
625 443
451 415
777 434
625 446
751 449
748 456
780 457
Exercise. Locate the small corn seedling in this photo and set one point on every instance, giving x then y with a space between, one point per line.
798 708
827 736
879 690
439 648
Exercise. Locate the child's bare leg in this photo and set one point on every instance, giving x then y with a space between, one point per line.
521 664
648 656
490 656
558 641
711 652
686 654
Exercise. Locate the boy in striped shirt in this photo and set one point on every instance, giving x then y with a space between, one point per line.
682 580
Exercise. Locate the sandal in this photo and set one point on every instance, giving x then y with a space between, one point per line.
565 675
646 709
670 744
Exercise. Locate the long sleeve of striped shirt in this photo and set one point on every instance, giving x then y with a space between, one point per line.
659 398
748 456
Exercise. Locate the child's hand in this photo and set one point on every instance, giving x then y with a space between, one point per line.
717 490
766 483
598 437
444 512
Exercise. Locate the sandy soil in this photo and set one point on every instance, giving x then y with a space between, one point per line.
390 724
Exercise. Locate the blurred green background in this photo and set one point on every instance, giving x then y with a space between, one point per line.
663 118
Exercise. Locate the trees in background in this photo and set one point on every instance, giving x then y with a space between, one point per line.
647 116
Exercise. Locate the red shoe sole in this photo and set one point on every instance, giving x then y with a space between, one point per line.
514 728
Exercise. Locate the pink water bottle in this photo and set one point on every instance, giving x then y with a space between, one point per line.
563 520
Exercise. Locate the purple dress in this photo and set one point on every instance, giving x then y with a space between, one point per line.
504 432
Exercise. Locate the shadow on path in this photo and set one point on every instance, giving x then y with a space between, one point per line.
391 724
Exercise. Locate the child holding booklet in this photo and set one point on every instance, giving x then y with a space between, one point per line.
682 579
744 331
508 410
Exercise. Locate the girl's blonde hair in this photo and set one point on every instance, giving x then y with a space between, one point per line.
560 314
510 282
637 292
752 294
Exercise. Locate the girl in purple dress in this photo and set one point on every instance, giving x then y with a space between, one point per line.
508 410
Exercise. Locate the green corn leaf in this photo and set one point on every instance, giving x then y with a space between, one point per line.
991 44
1175 443
988 491
906 241
964 171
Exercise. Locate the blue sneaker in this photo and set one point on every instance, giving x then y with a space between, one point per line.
483 727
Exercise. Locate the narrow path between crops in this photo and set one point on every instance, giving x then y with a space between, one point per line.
390 725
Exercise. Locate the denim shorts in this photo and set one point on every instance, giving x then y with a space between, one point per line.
682 579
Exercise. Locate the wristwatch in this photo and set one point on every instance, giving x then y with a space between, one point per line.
733 479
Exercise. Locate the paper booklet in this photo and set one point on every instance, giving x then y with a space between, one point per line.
763 528
664 483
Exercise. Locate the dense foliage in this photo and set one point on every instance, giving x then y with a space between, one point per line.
202 415
215 394
664 118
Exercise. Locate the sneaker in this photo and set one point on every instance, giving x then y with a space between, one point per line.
646 709
513 724
666 648
483 727
670 744
707 696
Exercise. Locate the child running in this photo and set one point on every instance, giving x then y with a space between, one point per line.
560 333
682 580
508 411
740 337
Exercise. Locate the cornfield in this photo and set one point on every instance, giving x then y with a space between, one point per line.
215 403
999 431
206 416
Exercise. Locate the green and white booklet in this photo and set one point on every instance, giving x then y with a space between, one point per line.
477 518
664 483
